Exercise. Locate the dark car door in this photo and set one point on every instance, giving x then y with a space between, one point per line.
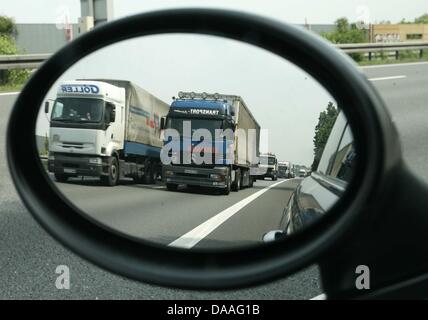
320 191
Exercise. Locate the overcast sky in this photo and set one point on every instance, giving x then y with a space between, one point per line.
315 11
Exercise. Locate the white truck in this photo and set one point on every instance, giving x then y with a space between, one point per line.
105 128
267 168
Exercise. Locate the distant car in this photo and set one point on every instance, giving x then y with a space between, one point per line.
302 173
318 192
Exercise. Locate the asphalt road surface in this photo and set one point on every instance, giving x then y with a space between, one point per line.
29 256
163 216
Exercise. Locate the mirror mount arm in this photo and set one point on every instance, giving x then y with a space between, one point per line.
407 214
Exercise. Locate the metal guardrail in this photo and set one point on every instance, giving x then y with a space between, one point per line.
22 61
33 61
387 47
382 46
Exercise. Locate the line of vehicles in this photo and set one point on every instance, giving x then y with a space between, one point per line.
113 129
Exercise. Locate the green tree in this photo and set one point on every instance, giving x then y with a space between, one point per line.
422 19
7 26
8 47
347 33
326 121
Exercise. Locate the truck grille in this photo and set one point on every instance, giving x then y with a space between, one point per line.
182 174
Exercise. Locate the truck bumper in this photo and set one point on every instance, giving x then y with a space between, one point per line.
267 174
78 165
204 177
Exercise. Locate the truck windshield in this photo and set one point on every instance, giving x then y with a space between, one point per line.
77 110
210 124
268 160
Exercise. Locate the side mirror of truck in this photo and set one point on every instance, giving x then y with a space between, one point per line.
163 123
110 115
113 114
47 107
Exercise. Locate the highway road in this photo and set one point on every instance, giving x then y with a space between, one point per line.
29 256
151 212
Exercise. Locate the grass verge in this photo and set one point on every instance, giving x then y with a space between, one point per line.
10 88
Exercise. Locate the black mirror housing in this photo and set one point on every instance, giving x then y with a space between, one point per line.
379 154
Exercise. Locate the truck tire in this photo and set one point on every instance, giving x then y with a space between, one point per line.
113 173
237 184
250 185
149 173
60 177
228 187
172 186
274 178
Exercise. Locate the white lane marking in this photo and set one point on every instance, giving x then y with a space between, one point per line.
195 235
321 296
157 187
8 93
390 65
387 78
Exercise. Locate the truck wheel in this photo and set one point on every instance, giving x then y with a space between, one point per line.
237 184
113 173
250 184
149 173
60 177
274 178
226 190
172 186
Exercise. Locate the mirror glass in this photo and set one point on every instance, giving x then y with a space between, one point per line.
195 141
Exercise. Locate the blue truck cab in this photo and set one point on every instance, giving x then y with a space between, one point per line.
204 150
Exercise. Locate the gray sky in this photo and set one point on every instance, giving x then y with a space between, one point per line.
295 11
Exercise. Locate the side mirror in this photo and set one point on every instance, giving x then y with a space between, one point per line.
47 107
113 114
232 111
110 114
175 262
163 123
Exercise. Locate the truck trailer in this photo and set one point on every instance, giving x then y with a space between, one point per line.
228 159
105 128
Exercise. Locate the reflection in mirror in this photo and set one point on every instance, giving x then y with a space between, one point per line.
195 141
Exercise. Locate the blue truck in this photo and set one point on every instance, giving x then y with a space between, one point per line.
216 142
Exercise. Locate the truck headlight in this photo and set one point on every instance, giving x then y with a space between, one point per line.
95 161
216 176
169 173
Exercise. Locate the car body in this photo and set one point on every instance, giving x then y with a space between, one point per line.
318 192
